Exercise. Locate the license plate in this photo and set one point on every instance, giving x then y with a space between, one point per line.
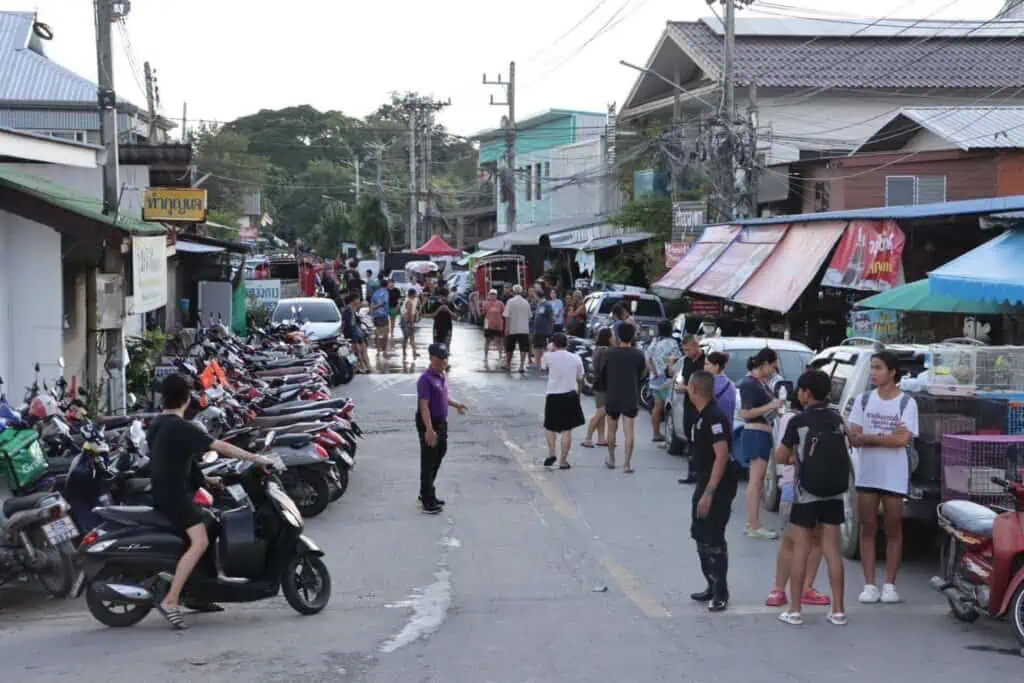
59 531
237 492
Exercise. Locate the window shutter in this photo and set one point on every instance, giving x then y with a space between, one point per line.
931 189
899 190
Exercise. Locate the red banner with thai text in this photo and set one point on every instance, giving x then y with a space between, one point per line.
674 252
869 257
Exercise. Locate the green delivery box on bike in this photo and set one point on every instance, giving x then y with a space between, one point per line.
21 457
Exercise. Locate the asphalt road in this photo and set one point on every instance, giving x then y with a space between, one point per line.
529 576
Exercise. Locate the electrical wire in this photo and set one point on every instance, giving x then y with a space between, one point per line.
569 32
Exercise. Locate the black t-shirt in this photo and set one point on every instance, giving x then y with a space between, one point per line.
690 366
624 368
712 426
353 282
173 444
443 323
754 394
394 296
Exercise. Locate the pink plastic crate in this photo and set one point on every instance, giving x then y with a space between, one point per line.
969 461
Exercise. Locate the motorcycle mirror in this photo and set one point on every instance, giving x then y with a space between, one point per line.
209 457
270 439
60 362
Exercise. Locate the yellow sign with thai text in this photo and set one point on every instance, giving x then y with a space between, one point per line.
175 204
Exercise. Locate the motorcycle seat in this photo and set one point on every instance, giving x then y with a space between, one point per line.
22 503
967 516
137 485
135 515
292 440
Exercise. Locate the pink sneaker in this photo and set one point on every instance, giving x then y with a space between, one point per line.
776 598
813 597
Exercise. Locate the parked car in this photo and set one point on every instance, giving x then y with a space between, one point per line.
647 311
318 316
793 359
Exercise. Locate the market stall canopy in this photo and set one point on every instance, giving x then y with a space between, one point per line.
917 297
739 261
436 246
991 272
698 259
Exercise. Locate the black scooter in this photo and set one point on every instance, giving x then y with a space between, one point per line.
129 558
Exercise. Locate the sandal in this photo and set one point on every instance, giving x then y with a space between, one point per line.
791 618
588 444
564 466
610 464
602 445
837 618
658 439
549 461
173 617
627 469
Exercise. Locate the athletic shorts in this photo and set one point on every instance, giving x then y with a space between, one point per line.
810 515
540 341
616 412
662 392
520 340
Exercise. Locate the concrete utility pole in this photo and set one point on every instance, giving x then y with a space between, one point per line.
184 121
413 211
356 165
105 17
728 66
150 103
509 123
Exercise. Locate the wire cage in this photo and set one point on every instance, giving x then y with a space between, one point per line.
959 370
969 462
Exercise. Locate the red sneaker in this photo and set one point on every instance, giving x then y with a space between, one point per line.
813 597
776 599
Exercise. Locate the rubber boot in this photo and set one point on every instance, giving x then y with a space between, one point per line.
705 568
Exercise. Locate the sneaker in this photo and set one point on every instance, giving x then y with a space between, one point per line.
419 502
889 595
776 599
762 533
870 594
813 597
432 508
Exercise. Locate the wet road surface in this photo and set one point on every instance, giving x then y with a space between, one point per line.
528 576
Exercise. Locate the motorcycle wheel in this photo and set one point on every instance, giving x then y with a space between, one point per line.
104 612
345 371
1017 617
297 587
646 397
342 480
311 492
60 579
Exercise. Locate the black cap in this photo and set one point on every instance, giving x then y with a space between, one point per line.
439 350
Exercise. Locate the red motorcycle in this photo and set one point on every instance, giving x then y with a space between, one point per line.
983 562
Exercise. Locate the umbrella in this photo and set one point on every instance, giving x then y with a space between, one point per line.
917 297
421 267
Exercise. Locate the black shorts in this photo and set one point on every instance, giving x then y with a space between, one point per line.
810 515
493 334
183 513
615 412
540 341
880 492
520 340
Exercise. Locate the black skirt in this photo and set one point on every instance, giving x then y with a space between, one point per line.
562 412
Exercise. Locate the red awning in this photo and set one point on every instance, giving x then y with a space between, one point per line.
739 261
698 259
436 246
791 267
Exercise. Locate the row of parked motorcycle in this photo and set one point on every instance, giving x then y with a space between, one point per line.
78 478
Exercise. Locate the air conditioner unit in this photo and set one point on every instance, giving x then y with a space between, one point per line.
106 301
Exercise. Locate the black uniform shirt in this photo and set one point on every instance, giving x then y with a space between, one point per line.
710 428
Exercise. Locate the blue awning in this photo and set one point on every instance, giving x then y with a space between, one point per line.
991 272
965 207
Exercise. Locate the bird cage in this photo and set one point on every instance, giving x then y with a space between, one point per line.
970 461
954 370
1000 369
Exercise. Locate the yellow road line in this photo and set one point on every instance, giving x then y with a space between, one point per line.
620 576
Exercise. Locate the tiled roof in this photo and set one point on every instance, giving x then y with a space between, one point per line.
966 127
979 60
27 75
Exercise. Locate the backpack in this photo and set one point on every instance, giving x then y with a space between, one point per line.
912 455
380 309
825 467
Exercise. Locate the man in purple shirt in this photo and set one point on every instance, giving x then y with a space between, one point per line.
432 424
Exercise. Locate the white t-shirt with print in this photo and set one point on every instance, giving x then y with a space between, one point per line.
564 371
883 468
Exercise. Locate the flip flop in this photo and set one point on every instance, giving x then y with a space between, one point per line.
610 464
565 466
587 445
627 470
173 617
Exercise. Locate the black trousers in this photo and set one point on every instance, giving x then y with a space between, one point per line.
431 456
709 533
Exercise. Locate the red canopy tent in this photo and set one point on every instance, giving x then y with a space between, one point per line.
436 246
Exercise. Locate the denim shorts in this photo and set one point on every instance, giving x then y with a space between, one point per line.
754 444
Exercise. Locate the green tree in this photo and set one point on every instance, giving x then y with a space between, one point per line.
370 226
234 169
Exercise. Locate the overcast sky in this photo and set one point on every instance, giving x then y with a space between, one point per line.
228 58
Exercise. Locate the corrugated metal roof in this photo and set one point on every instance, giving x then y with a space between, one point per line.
972 127
970 57
966 207
28 76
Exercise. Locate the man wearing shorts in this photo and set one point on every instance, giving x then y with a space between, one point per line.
517 328
543 328
493 312
624 369
810 512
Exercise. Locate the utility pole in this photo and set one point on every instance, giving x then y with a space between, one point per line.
509 124
107 102
150 102
356 165
184 121
728 66
413 212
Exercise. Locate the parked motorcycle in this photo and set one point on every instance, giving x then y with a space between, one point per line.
983 560
257 550
35 535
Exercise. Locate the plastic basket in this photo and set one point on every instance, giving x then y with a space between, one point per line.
969 462
1015 418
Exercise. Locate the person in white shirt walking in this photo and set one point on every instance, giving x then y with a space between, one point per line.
517 328
883 424
562 410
